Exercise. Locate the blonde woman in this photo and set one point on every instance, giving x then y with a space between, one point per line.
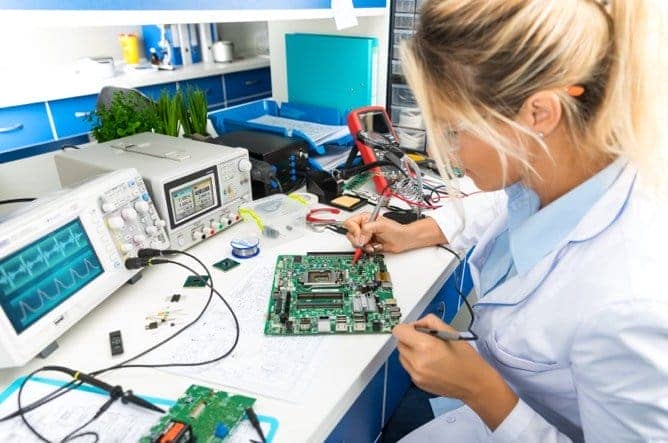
548 101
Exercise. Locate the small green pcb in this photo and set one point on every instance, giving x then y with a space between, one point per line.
201 415
324 293
196 281
226 264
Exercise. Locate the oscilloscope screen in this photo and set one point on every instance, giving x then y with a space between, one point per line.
40 276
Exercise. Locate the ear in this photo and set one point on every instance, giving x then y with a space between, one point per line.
541 112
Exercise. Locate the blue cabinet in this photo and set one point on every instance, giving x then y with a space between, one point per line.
70 115
213 86
251 84
154 91
363 421
23 126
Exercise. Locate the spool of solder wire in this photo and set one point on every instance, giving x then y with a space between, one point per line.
245 247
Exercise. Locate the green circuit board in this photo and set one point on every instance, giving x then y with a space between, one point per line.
200 415
324 293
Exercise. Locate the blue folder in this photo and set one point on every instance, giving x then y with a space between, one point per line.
331 70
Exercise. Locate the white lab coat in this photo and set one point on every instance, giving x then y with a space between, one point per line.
583 337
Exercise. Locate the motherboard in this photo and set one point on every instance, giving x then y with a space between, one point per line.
324 293
200 415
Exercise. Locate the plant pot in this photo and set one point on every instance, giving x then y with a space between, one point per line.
199 137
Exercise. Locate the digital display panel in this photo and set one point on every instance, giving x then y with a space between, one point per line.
192 195
375 121
40 276
193 199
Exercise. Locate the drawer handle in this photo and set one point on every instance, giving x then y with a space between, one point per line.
81 114
11 128
440 310
251 82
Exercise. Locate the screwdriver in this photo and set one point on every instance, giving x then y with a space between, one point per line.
374 215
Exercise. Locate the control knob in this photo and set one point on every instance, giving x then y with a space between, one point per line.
244 165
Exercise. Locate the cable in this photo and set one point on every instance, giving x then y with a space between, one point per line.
461 296
73 384
125 364
17 200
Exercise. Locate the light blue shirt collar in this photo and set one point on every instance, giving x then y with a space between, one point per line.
534 233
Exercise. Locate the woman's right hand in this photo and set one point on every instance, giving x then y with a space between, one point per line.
389 236
382 235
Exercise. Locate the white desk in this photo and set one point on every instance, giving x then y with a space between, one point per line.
350 362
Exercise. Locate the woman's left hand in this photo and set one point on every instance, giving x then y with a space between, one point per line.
453 369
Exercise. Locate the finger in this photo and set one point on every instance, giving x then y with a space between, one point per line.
407 335
371 228
354 227
433 322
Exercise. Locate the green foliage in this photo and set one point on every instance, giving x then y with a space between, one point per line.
169 109
197 110
185 119
127 114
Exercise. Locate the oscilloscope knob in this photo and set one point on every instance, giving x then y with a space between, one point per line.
116 223
129 214
151 230
244 165
141 206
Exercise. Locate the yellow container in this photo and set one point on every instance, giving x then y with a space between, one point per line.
129 48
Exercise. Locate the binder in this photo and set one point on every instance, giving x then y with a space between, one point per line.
332 71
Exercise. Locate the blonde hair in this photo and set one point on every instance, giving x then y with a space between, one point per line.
477 61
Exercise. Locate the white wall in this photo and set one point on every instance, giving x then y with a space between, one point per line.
368 27
40 48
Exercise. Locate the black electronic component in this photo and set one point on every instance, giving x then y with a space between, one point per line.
377 326
226 264
116 342
403 217
175 298
196 281
324 185
288 155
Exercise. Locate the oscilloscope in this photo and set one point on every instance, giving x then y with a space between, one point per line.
63 255
197 187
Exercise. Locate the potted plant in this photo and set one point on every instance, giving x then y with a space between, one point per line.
195 112
126 114
169 109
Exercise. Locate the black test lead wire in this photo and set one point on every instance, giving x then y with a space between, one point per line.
73 384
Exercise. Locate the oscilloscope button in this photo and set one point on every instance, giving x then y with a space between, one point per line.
126 247
108 207
129 214
116 223
151 230
141 206
139 238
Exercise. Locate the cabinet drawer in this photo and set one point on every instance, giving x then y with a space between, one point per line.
403 96
24 125
247 83
213 86
154 91
70 115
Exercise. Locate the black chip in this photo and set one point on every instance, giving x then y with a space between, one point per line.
288 326
175 298
297 259
377 326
